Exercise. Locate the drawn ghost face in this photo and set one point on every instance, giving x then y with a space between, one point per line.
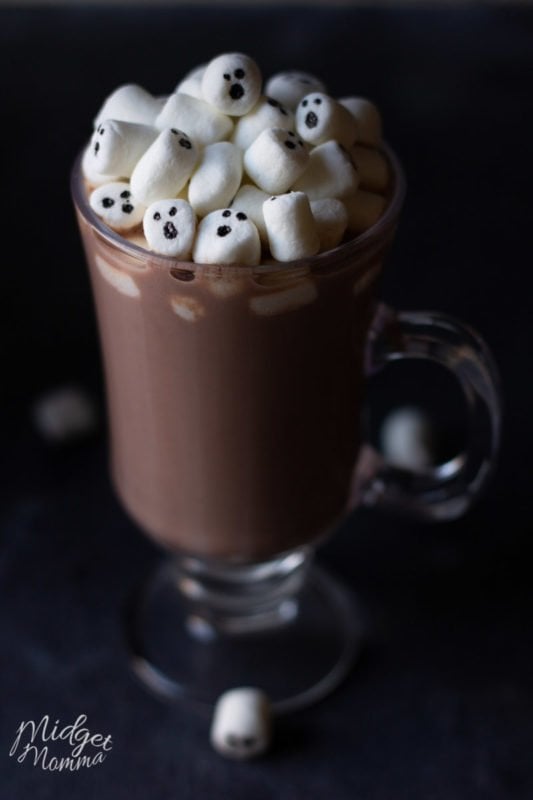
227 237
232 83
116 205
169 227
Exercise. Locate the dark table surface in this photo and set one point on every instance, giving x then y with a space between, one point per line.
441 704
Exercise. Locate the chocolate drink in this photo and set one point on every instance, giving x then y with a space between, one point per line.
234 393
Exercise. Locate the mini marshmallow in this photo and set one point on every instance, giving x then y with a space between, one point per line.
116 146
330 173
130 103
192 83
169 227
117 205
165 167
267 113
289 87
364 210
291 228
319 117
203 123
250 199
372 168
407 439
227 236
232 83
216 178
92 176
275 160
64 414
331 220
242 723
368 118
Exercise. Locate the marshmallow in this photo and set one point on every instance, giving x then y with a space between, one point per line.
407 439
192 83
290 87
92 176
368 118
64 414
232 83
242 723
227 237
330 173
203 123
165 167
116 146
216 178
130 103
117 205
319 117
364 210
290 227
169 227
267 113
331 220
372 168
275 160
250 199
283 300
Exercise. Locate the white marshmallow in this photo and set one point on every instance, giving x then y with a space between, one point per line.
192 83
203 123
291 228
331 220
216 178
91 175
169 227
116 146
130 103
165 167
289 87
372 168
319 117
368 118
232 83
275 160
364 209
227 236
250 199
117 205
407 439
267 113
330 173
242 723
64 414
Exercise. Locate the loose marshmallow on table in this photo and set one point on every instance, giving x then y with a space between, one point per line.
319 117
116 146
275 160
227 236
242 723
232 83
364 209
368 118
216 178
92 176
291 228
267 113
250 199
330 173
169 227
290 87
192 83
165 167
117 206
130 103
203 123
331 220
372 168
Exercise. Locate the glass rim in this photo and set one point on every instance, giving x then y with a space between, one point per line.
351 247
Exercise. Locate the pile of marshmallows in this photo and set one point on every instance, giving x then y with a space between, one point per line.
221 173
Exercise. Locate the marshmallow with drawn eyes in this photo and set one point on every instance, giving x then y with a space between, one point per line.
232 83
331 220
117 206
330 173
227 236
169 227
368 118
130 103
202 123
116 146
267 113
319 117
275 160
192 83
91 175
290 87
242 723
216 178
250 199
165 167
291 228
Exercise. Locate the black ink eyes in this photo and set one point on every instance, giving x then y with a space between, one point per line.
240 215
96 147
317 101
125 194
107 202
239 73
185 143
157 215
226 213
172 211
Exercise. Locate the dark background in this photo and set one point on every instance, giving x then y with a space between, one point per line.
441 703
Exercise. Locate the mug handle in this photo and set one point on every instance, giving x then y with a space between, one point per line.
445 491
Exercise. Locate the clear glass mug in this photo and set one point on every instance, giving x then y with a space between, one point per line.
234 397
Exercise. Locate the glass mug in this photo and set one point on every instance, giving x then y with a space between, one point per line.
234 397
